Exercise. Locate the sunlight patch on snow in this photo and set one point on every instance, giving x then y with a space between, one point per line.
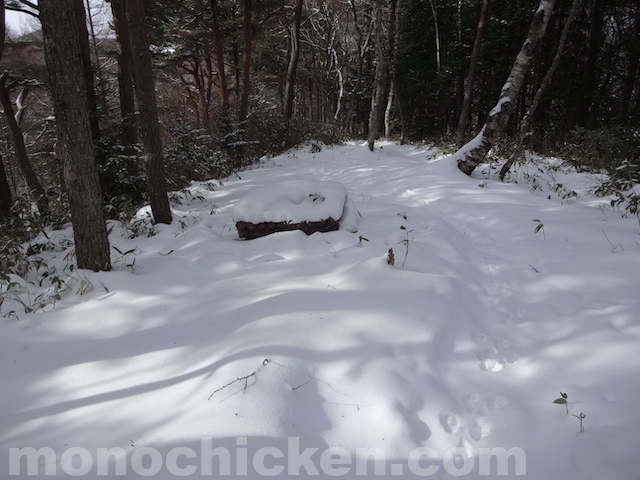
320 338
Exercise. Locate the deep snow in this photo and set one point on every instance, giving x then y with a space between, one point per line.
316 338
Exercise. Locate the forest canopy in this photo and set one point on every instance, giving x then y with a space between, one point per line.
238 79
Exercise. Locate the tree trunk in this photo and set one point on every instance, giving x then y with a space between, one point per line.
246 61
235 58
3 27
385 39
87 69
294 55
387 110
526 120
5 190
471 77
475 151
394 81
288 94
393 20
436 26
222 76
62 51
589 77
147 103
632 76
36 191
125 72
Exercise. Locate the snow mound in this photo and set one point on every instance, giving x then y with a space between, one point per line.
298 202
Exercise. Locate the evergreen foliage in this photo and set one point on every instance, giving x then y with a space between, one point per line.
588 115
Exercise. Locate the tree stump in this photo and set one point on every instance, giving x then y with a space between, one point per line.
306 205
248 230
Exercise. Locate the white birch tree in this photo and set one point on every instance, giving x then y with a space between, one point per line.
470 155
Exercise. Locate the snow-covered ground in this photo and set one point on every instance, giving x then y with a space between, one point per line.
266 348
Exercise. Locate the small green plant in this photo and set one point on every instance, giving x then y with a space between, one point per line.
335 254
362 239
316 147
134 252
316 197
36 295
405 242
581 418
615 247
85 287
137 227
539 226
563 400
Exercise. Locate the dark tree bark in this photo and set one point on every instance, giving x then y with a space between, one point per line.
471 76
62 51
5 190
633 67
125 72
526 120
36 191
474 152
199 66
288 93
247 29
351 117
436 30
394 77
87 69
391 35
222 76
383 72
294 55
589 77
249 231
147 103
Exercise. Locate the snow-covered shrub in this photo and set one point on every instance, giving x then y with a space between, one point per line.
124 185
267 128
26 236
123 181
195 155
624 185
601 149
21 225
613 150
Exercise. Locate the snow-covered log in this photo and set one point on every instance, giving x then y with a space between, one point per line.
307 205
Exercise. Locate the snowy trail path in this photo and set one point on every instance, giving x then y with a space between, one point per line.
465 346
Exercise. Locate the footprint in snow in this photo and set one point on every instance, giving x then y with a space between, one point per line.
476 427
480 429
502 297
476 403
450 423
493 354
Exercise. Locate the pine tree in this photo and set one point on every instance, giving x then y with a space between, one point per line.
147 103
62 51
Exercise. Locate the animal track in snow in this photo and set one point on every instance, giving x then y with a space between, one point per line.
450 423
493 354
476 403
476 426
503 297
